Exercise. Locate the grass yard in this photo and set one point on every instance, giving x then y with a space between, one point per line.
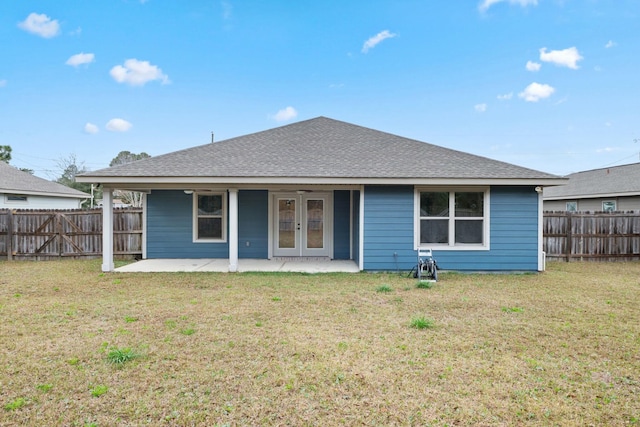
83 348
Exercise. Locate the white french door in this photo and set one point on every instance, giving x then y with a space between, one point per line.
301 224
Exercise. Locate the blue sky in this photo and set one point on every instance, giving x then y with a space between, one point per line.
551 85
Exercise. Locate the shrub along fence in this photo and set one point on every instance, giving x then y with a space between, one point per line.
592 236
49 234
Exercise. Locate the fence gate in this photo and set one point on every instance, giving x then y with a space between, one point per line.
76 233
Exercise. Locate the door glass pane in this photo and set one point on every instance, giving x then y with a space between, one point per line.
315 224
286 223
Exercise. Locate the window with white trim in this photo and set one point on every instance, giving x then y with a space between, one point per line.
455 219
609 206
209 217
572 207
16 198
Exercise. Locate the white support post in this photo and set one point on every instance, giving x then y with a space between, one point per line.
107 230
144 225
361 230
233 230
541 254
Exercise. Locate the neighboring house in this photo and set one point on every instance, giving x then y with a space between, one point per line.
21 190
609 189
326 188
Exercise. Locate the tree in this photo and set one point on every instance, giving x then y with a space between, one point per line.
70 169
5 153
132 198
125 157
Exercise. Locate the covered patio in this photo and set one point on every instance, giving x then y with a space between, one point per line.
221 265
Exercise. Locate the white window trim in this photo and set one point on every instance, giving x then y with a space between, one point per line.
567 206
451 246
224 217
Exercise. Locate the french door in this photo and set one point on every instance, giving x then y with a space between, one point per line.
301 224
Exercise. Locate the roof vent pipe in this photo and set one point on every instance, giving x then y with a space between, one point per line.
212 137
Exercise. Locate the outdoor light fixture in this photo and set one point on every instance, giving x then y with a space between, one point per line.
188 191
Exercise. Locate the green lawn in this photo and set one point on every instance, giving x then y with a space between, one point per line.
79 347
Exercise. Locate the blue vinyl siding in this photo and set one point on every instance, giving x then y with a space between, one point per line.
389 222
514 235
253 224
388 228
170 228
341 224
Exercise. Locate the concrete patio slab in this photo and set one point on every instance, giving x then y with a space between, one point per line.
221 265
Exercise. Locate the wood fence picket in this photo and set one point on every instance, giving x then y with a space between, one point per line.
592 236
47 234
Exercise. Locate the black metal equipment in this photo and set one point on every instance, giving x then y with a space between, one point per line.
427 269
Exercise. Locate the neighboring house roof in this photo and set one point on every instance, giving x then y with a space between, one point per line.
15 181
606 182
319 150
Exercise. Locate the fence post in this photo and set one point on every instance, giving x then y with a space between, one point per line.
58 231
569 236
10 235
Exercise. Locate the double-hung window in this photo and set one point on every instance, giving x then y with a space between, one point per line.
209 219
456 219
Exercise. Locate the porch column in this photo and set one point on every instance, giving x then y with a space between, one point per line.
107 229
361 230
541 254
233 230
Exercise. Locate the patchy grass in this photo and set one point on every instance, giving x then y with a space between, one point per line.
558 348
120 356
422 323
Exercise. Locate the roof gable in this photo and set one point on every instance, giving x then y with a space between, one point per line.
15 181
320 148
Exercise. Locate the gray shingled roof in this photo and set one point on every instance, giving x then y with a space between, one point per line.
598 183
15 181
316 148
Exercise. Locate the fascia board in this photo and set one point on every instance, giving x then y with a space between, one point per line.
163 182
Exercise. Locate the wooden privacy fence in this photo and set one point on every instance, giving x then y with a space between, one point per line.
592 236
46 234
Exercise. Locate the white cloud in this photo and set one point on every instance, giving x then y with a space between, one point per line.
506 96
536 91
80 58
486 4
138 73
610 44
285 114
564 58
373 41
118 125
533 66
41 25
227 10
3 83
480 108
91 128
